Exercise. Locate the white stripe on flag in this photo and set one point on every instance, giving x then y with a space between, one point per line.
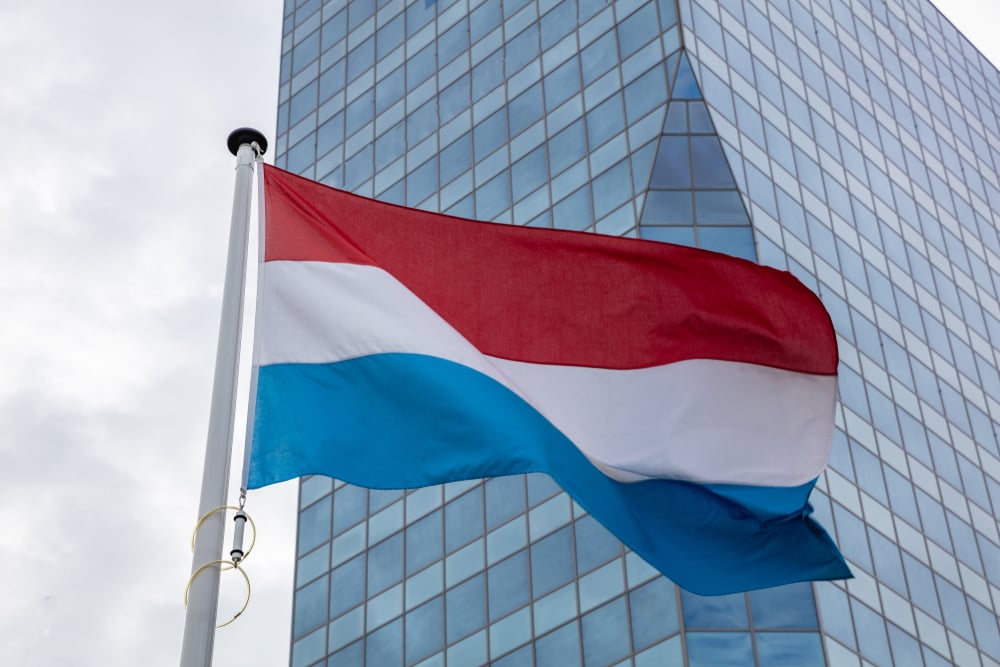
700 420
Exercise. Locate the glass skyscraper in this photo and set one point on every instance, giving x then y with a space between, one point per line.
854 143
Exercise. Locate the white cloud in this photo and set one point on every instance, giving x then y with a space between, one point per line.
114 212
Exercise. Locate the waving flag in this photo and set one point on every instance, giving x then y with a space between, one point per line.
684 398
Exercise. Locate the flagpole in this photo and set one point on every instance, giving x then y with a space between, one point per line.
203 601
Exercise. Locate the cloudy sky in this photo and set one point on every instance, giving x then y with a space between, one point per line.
115 196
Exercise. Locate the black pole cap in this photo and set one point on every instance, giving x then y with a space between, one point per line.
245 135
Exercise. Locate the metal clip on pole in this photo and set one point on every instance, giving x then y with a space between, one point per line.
240 522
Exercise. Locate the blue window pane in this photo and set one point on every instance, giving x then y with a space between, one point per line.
389 36
390 146
888 565
421 123
312 565
698 116
300 157
905 649
389 90
521 50
549 557
708 163
349 505
454 99
567 147
334 29
653 608
463 519
422 182
493 196
574 212
528 173
558 23
540 487
955 609
305 52
715 611
385 645
559 648
310 607
720 207
735 241
347 586
605 121
385 564
358 169
637 29
361 58
836 612
420 66
679 235
921 583
331 81
672 167
666 654
515 659
417 15
456 158
934 521
685 86
358 13
425 630
791 649
676 122
394 194
384 607
484 19
525 109
668 207
504 499
508 585
302 103
346 629
598 57
490 134
872 641
314 525
487 75
424 540
611 189
562 83
594 544
645 94
330 134
352 655
719 649
359 112
466 608
464 208
605 635
785 607
852 537
985 622
453 42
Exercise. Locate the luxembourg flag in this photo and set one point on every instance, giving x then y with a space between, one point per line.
684 398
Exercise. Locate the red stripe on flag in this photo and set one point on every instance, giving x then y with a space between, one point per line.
558 297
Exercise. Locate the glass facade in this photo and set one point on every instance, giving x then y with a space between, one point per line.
853 142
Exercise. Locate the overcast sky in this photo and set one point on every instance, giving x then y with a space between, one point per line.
115 197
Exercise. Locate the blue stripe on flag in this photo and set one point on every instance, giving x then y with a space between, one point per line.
405 420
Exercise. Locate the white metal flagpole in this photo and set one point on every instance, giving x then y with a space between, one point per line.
203 600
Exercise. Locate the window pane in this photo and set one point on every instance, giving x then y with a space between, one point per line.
466 608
